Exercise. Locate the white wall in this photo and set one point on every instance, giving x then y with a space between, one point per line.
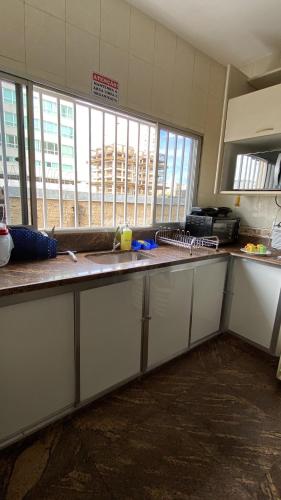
64 41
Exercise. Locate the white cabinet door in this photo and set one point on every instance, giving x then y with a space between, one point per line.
254 115
255 288
36 361
209 280
110 335
169 303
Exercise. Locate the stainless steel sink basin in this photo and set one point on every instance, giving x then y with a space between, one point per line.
108 258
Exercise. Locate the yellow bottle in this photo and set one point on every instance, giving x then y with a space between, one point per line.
126 238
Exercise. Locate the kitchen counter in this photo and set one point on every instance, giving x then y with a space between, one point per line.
27 276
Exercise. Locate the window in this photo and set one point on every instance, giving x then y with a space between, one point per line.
67 151
67 168
100 167
10 119
50 164
66 111
11 141
66 131
49 106
9 95
36 124
50 148
50 128
176 170
14 159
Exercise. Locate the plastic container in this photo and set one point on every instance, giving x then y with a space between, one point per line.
6 245
126 238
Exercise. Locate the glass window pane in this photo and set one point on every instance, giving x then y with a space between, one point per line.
10 181
176 173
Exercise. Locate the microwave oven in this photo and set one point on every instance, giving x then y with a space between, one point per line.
225 228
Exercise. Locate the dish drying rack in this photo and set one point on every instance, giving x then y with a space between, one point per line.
182 239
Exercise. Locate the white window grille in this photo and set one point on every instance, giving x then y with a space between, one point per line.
103 165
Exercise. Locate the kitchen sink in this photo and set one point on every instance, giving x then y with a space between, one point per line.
108 258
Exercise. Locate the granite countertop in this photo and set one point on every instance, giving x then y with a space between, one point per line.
27 276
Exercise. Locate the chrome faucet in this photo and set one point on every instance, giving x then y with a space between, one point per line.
116 244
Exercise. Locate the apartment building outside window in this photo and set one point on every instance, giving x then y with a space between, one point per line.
10 119
98 167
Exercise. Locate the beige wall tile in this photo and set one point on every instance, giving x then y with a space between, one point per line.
115 22
181 101
12 29
217 80
140 85
214 116
142 36
84 14
114 64
45 43
7 64
201 71
184 61
182 84
46 77
165 48
198 110
54 7
82 58
162 93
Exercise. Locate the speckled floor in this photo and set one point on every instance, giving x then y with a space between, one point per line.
206 426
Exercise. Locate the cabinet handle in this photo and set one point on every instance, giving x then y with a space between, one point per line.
148 318
264 129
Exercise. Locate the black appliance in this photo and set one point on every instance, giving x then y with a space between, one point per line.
211 221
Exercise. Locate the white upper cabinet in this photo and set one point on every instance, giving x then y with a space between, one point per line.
255 114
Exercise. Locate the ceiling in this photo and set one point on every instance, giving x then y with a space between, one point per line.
231 31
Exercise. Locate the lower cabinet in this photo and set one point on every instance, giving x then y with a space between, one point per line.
169 309
255 289
209 281
110 335
36 362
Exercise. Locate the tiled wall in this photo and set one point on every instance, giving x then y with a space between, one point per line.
64 41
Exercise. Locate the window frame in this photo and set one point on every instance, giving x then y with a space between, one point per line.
106 108
197 162
27 193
